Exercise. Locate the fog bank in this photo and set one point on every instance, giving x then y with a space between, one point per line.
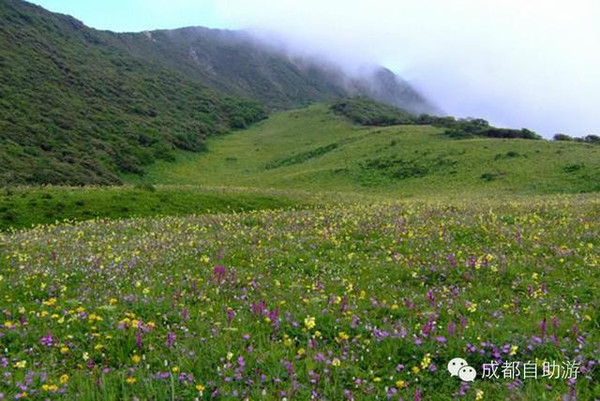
529 65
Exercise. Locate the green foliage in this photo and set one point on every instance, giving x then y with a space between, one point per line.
340 302
364 111
511 154
399 168
571 168
368 112
77 109
592 139
563 137
492 176
471 128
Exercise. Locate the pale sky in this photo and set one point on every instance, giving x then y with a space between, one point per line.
517 63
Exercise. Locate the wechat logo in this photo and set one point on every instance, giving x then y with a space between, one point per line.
459 367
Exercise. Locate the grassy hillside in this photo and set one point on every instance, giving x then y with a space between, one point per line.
314 151
364 302
312 148
76 109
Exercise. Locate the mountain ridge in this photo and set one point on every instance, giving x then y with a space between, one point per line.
239 63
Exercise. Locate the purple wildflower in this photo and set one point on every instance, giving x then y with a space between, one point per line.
171 338
47 340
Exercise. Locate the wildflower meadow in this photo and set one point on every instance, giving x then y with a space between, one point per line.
361 301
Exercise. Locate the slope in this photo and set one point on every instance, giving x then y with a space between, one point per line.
76 109
315 149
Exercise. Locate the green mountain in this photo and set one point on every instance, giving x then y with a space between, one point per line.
75 108
82 106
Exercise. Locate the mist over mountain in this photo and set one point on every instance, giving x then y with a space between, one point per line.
245 64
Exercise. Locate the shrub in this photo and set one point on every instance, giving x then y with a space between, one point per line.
563 137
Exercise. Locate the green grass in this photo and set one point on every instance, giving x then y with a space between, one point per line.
365 111
295 157
24 207
364 300
308 257
305 257
313 149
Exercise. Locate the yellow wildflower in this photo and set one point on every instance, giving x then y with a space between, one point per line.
309 322
426 361
50 302
94 318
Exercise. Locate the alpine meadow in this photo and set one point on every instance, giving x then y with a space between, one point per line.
197 214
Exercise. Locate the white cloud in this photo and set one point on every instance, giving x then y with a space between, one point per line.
518 63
